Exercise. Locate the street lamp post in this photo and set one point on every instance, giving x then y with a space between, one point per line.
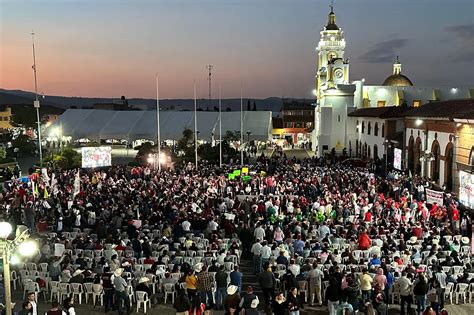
7 247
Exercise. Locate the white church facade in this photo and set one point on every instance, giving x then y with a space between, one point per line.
337 96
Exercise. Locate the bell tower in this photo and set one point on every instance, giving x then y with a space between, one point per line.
334 93
331 49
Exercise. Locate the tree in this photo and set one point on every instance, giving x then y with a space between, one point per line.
232 136
67 158
24 117
254 106
186 143
248 105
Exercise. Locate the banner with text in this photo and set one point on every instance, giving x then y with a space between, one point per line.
433 196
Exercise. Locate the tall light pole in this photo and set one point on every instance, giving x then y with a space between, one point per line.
195 127
158 138
220 127
7 247
241 128
36 103
209 68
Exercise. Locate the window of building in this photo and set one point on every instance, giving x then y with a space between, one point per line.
471 156
376 129
369 128
416 103
383 130
380 103
309 125
363 127
338 118
357 126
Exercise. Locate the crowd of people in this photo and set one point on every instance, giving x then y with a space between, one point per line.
315 234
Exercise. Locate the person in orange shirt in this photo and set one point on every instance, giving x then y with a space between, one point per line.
364 240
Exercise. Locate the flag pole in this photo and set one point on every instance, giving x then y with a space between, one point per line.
195 127
158 136
220 127
241 128
37 102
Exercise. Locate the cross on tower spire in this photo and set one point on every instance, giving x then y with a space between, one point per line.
332 6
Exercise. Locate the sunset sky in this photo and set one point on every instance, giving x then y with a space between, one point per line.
109 48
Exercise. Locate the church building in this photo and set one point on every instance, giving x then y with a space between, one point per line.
337 96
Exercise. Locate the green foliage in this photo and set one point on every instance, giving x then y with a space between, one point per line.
24 144
232 136
211 153
3 153
67 158
186 143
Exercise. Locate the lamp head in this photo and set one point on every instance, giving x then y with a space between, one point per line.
5 229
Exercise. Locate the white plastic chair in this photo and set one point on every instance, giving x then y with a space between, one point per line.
448 291
461 291
303 286
131 295
64 290
54 289
97 292
87 290
143 298
169 289
77 290
470 292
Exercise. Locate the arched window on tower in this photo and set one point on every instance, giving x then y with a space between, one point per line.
383 130
363 127
357 126
369 128
376 129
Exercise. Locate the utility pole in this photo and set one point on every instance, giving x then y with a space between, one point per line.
209 68
36 103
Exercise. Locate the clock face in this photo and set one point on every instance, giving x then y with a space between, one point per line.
338 73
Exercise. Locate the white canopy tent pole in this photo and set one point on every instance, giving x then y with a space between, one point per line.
220 127
195 127
158 138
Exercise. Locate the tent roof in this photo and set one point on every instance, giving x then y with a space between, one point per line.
133 125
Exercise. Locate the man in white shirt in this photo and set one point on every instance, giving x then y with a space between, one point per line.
213 225
266 253
34 307
259 232
186 225
405 292
323 231
294 268
256 250
315 275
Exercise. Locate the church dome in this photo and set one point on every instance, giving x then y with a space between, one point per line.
397 80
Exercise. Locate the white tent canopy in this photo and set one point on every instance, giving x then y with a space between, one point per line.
97 124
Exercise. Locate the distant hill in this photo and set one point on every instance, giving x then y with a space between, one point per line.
12 97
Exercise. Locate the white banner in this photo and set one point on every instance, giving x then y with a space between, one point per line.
433 196
59 249
77 184
397 159
466 189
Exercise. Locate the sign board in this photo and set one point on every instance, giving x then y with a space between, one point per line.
96 157
237 172
246 178
231 176
397 158
466 189
245 170
433 196
59 249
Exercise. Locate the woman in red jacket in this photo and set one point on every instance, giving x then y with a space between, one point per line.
364 240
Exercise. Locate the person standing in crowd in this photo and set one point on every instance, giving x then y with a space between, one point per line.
68 306
405 292
232 301
267 282
181 303
106 281
420 289
294 302
55 309
256 251
26 309
31 298
205 284
236 278
315 276
221 287
121 296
